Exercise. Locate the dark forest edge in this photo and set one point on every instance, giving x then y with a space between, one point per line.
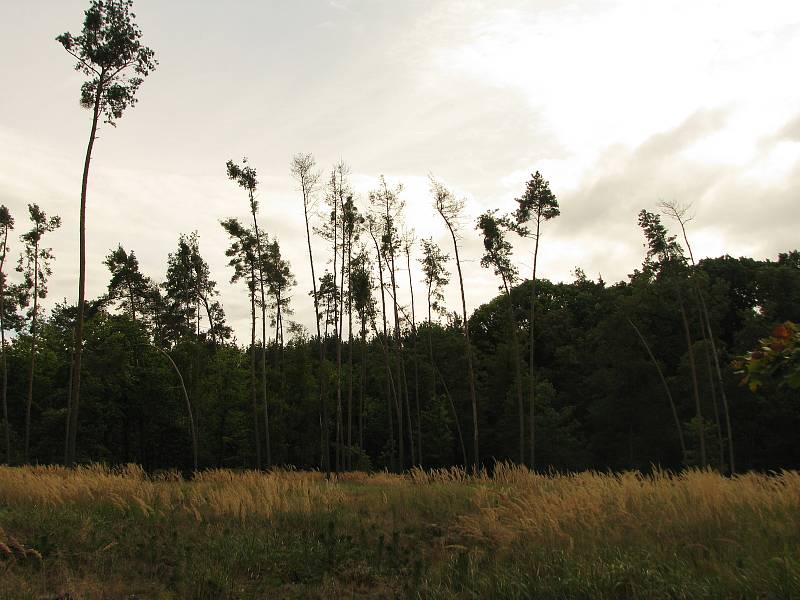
600 400
563 376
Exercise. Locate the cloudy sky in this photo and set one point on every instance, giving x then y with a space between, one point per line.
619 104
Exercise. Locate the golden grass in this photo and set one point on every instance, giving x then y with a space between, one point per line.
511 503
561 510
584 533
216 493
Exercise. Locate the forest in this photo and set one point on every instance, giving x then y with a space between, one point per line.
624 375
665 369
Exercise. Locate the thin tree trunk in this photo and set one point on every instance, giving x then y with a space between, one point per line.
416 358
532 365
394 393
72 421
34 323
384 341
678 427
695 387
400 366
712 389
263 329
455 414
6 427
512 323
721 383
253 393
188 404
362 385
339 306
468 348
323 406
349 353
707 324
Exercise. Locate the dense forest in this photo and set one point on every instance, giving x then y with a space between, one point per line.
563 376
624 374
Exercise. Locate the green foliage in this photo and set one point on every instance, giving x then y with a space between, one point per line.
437 276
537 204
34 262
497 249
109 51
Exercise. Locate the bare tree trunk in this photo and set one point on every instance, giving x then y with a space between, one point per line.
349 353
188 404
323 405
721 383
455 415
253 393
6 426
416 358
339 335
532 365
263 329
34 323
678 427
512 323
390 388
468 349
398 356
707 326
394 393
712 389
362 385
72 420
695 387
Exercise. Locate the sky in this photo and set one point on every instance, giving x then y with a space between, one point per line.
619 104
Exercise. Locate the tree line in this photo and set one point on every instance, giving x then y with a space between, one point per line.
567 376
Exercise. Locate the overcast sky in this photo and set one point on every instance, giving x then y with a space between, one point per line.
618 104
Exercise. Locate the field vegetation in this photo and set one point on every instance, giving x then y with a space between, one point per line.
96 532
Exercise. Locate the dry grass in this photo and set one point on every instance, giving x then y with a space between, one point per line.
442 533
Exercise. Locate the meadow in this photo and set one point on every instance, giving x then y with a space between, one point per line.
96 532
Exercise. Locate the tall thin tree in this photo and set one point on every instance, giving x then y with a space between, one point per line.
245 176
6 225
34 264
304 172
110 53
537 205
680 213
408 244
436 277
497 254
243 261
392 400
451 210
665 259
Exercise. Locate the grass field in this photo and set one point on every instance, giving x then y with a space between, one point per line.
100 533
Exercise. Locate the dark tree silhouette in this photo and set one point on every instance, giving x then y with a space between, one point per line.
245 177
6 225
450 209
110 53
537 205
34 264
497 255
242 255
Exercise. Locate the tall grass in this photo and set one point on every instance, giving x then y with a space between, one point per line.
95 531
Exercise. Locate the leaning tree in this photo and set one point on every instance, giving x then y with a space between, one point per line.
109 52
451 210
